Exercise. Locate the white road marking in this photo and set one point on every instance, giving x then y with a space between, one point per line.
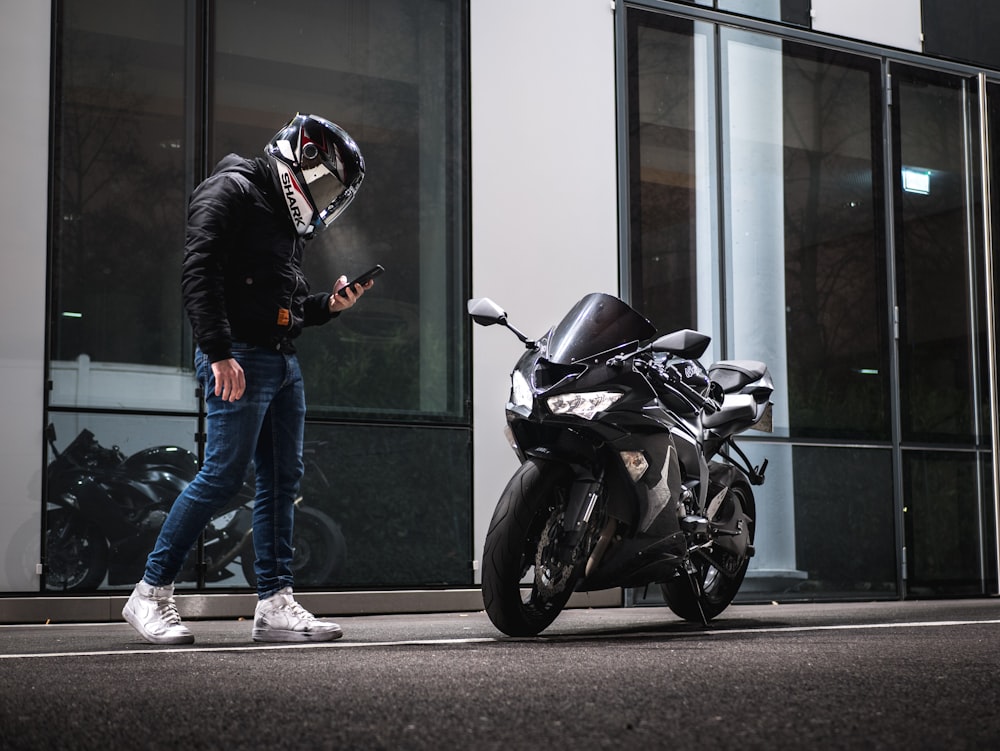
486 640
166 649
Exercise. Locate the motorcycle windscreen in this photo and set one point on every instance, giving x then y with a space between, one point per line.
597 323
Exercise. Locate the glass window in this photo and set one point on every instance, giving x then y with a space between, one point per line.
844 521
390 73
673 269
399 497
936 257
805 286
768 9
132 137
795 12
825 524
663 242
118 333
111 480
804 231
943 525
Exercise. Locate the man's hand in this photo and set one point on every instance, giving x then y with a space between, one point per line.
339 302
230 382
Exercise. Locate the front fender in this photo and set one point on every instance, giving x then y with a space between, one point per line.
82 493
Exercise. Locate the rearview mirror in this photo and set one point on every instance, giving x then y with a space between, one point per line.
485 312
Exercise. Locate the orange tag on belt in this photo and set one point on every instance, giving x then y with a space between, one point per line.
284 316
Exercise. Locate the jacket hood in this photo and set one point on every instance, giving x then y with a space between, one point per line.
251 168
258 171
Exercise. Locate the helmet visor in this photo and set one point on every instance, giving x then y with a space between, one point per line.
329 195
324 161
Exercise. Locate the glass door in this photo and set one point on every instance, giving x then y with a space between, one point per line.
942 422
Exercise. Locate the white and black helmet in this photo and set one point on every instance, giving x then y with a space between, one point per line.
318 167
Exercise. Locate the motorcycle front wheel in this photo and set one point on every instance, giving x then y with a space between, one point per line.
701 596
76 553
527 574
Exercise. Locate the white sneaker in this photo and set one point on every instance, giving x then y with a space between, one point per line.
152 612
280 618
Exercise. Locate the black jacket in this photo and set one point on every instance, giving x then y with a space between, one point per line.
242 275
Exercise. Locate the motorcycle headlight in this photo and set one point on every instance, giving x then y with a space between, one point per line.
584 405
520 391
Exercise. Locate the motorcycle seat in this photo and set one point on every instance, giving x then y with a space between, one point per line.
734 375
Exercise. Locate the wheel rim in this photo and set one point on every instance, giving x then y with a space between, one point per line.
70 553
549 575
552 578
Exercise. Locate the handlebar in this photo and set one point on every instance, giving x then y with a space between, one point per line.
85 451
672 379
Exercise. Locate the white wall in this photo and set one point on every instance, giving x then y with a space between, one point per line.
24 130
896 23
544 192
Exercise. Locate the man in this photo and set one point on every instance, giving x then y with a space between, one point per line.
247 300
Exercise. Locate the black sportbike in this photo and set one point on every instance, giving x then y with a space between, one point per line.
629 473
104 511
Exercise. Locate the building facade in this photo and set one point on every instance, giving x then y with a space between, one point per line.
808 182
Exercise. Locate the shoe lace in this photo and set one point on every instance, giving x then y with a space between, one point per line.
167 610
300 612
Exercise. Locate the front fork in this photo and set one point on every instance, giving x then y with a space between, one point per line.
580 507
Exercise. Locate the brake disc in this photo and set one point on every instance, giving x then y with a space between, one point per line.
551 574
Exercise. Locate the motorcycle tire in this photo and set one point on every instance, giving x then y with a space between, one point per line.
521 542
712 591
320 550
76 553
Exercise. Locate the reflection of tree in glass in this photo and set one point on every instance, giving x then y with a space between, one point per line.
118 200
400 532
663 243
932 254
833 250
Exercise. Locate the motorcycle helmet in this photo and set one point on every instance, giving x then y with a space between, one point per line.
318 167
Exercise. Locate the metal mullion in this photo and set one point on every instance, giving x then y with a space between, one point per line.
624 158
197 85
895 395
987 221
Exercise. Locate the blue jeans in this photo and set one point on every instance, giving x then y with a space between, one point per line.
266 426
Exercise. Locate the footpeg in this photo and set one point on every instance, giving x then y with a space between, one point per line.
695 526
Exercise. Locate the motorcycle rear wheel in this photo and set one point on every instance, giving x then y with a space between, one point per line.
523 542
320 550
715 589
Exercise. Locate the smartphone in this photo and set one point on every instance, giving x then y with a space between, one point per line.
363 279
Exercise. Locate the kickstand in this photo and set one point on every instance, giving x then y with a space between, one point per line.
696 589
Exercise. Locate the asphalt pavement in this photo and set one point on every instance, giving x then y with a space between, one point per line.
873 675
